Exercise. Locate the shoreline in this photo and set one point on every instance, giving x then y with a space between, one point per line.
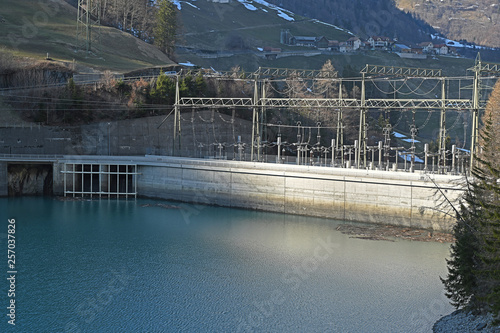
382 232
461 321
355 229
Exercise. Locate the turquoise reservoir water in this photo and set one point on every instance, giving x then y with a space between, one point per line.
135 266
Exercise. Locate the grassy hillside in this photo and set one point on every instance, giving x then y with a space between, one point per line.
28 29
363 17
214 26
450 66
218 27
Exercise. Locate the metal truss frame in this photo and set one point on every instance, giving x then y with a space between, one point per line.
263 72
218 74
295 73
309 103
447 104
427 104
487 67
402 71
212 102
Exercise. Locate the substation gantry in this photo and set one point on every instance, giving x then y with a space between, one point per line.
260 103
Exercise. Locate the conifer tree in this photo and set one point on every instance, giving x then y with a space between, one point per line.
473 279
461 282
488 178
164 90
165 29
200 85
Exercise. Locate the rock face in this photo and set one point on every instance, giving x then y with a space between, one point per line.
40 74
30 179
463 321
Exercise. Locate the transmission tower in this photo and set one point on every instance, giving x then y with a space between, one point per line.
88 23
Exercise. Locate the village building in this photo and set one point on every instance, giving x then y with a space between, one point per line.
322 43
355 43
380 42
441 49
303 41
285 37
431 48
401 48
344 47
319 42
427 47
417 50
333 45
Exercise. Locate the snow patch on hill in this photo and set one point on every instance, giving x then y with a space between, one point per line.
178 4
281 12
248 5
285 16
333 26
189 3
453 43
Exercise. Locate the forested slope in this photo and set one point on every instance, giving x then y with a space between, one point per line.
476 21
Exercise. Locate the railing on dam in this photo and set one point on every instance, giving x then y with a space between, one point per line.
24 157
457 166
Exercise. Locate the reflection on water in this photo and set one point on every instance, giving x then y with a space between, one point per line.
117 266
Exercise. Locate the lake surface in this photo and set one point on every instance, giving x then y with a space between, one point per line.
135 266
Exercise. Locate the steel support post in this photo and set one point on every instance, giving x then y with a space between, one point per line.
255 119
475 111
362 127
176 115
442 129
262 118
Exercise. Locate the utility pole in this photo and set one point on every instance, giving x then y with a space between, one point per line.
255 119
177 115
340 129
442 129
263 118
362 126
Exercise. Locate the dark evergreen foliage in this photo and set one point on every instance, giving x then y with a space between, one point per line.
473 280
165 28
461 282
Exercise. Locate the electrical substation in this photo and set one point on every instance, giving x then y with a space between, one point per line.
288 106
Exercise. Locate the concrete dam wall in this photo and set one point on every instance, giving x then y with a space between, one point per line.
396 198
416 200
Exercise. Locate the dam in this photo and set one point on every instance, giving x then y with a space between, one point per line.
419 199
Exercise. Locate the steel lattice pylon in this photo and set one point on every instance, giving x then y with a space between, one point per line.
88 22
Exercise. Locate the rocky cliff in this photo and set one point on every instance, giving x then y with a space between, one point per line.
30 179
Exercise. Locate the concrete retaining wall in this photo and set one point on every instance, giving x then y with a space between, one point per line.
58 178
130 137
4 183
397 198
